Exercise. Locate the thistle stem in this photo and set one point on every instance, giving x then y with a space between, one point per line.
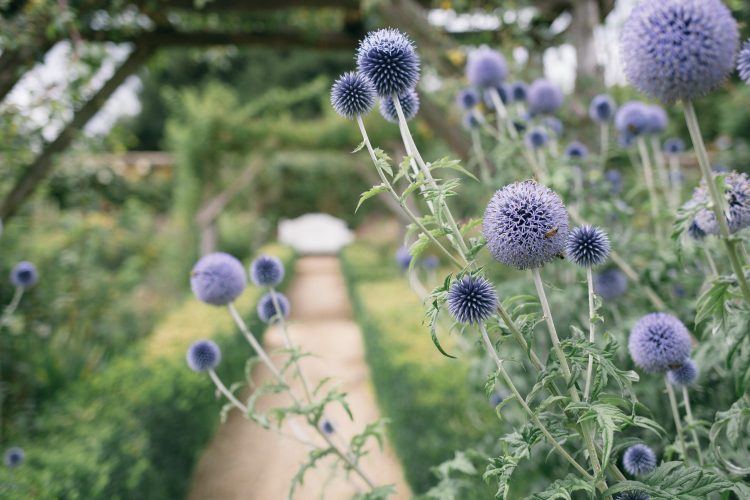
12 306
502 114
604 143
484 167
675 174
711 262
691 423
648 175
288 344
661 167
676 416
226 392
592 312
718 201
254 342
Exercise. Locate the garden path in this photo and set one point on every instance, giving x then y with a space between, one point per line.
245 461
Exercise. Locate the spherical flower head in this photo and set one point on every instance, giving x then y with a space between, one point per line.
267 308
503 92
431 262
658 342
602 108
203 355
610 284
409 105
266 270
525 225
743 62
554 125
588 246
13 457
737 196
472 119
536 138
614 179
639 459
633 495
519 91
657 119
632 118
467 99
217 279
352 95
544 97
388 58
486 67
686 374
327 427
472 299
576 150
695 232
679 49
24 275
403 258
674 146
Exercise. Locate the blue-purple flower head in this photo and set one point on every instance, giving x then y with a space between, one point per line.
472 299
203 355
554 125
613 177
486 67
588 246
679 49
695 232
409 101
536 138
24 275
525 225
472 119
657 119
403 258
632 118
576 150
610 284
544 97
737 196
602 108
327 427
388 58
743 62
639 460
686 374
674 146
495 399
659 342
267 308
352 95
467 98
519 91
14 457
267 270
503 92
217 279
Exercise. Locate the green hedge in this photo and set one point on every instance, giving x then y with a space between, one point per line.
137 429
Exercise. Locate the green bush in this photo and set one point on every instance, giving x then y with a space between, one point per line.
136 430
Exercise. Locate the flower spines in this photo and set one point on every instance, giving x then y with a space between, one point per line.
24 275
409 101
632 119
352 95
472 299
743 62
602 108
218 279
267 309
388 58
686 374
639 459
267 270
737 196
486 67
203 355
659 342
467 99
544 97
588 246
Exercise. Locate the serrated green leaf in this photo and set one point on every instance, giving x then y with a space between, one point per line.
375 190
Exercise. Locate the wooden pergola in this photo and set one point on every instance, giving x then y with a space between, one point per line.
405 14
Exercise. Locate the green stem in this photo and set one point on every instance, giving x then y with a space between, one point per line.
648 175
676 417
675 174
718 200
592 312
289 346
502 114
691 423
484 168
604 143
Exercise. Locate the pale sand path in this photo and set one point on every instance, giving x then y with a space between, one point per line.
244 461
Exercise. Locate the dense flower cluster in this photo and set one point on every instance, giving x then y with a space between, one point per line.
519 91
409 101
203 355
639 459
674 146
610 284
588 246
218 279
267 309
486 67
472 300
24 275
352 95
602 108
544 97
656 119
387 57
14 457
267 270
743 62
576 149
632 118
686 374
467 98
659 342
536 138
737 195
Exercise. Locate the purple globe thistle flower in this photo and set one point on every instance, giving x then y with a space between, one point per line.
657 119
632 118
431 262
502 91
486 67
203 355
525 225
217 279
467 99
674 146
633 495
576 149
472 299
602 108
267 309
403 258
686 374
409 105
14 457
352 95
610 284
519 91
695 232
388 58
588 246
544 97
472 119
659 342
639 459
625 139
679 49
554 125
536 138
267 270
614 179
327 427
737 196
24 275
743 62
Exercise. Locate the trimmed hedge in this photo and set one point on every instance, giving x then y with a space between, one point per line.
137 429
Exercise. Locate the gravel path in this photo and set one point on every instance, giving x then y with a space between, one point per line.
244 461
